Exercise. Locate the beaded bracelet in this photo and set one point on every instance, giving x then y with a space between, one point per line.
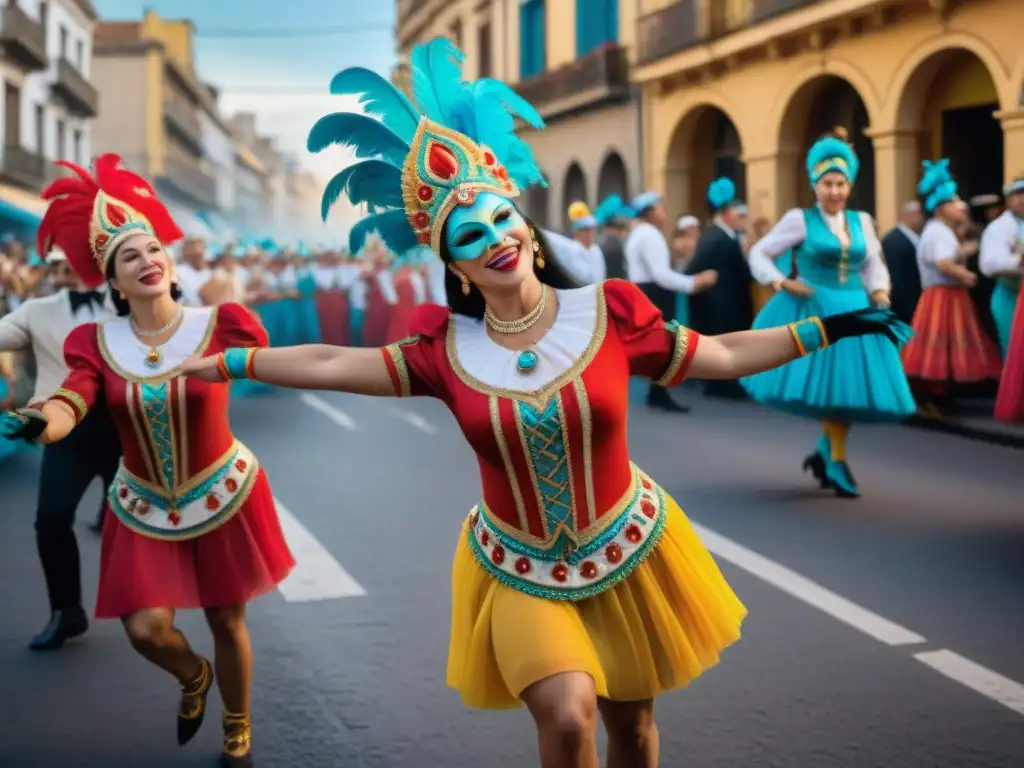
809 335
237 363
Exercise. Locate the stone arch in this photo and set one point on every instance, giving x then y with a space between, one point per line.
941 124
816 105
706 143
613 177
574 188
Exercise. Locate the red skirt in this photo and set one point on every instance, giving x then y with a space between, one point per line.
949 346
401 316
378 319
235 563
1010 400
332 310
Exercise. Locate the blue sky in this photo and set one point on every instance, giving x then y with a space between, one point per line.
281 79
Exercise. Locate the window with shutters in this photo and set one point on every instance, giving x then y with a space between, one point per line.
532 53
597 24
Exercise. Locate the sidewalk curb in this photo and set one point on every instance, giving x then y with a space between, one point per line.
950 427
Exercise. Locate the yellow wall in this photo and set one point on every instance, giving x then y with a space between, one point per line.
176 35
560 33
156 138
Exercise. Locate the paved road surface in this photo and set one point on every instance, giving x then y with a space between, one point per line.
871 622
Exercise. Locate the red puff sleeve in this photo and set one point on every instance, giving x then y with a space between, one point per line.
416 363
239 327
84 381
657 350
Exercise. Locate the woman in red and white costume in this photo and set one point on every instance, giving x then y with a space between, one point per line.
194 523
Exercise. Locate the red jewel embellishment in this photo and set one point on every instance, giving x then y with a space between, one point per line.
142 508
421 220
442 162
648 508
589 570
123 493
560 572
231 485
501 173
488 158
424 193
647 484
424 238
485 538
240 465
498 554
523 565
476 519
174 517
633 533
212 502
613 552
116 215
101 241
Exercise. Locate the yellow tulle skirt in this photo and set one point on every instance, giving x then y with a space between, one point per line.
653 632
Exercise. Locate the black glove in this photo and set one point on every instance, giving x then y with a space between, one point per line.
23 424
867 322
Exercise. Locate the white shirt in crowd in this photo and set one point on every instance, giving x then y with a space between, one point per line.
191 282
571 256
435 282
386 281
791 231
1001 243
419 287
356 288
42 325
938 243
648 260
598 265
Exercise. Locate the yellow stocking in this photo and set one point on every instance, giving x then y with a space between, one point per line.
836 432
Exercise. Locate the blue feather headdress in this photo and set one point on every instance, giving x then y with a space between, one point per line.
722 195
609 209
937 185
416 162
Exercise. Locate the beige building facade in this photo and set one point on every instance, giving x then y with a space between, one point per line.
576 74
744 87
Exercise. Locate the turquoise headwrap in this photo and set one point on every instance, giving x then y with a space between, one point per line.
937 185
722 194
832 154
644 201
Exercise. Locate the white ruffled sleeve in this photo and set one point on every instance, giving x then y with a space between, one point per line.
789 232
997 247
874 274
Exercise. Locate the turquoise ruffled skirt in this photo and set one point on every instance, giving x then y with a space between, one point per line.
856 380
1004 302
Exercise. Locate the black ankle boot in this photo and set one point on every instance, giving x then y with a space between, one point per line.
192 709
63 626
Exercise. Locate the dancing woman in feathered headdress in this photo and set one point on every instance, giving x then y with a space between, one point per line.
837 268
194 523
577 578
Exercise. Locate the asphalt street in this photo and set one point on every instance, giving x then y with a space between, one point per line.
885 632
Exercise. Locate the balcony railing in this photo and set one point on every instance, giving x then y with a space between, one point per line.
766 9
667 31
191 180
77 92
23 39
600 75
23 167
181 120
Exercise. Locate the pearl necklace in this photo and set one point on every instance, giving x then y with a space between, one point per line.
153 354
527 359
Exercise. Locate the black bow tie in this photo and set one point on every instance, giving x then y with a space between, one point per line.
85 298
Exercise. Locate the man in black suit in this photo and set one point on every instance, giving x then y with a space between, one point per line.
900 249
729 305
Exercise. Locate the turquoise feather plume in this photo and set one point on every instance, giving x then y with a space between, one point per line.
437 79
376 183
379 98
368 137
721 192
393 228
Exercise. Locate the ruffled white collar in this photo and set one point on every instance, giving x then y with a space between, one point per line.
126 354
557 351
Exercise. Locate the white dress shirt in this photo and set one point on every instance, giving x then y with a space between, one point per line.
938 243
570 256
598 266
1001 245
191 282
791 231
42 325
356 288
648 260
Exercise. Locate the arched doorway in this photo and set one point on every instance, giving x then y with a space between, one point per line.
575 188
705 145
948 103
613 178
535 205
817 107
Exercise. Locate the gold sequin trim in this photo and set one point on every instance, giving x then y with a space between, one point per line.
73 399
178 491
587 428
493 405
678 356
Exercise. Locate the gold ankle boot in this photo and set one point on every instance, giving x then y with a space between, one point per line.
193 703
237 740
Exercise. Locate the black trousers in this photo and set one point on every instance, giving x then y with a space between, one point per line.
91 450
665 301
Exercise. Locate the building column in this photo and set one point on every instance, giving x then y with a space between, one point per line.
771 184
896 173
1012 121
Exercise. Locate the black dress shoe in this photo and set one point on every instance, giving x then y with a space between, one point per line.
192 710
816 465
63 626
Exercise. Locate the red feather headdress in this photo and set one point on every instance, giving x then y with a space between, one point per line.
88 217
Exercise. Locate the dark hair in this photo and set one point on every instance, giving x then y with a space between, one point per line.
552 275
121 305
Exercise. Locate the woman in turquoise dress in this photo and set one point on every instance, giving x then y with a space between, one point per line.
837 268
308 316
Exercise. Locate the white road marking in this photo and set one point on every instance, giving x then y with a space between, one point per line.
989 684
317 575
804 589
336 415
415 420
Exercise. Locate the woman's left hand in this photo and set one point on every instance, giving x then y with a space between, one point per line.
204 368
881 298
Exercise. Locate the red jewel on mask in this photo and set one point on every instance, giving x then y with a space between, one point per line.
442 162
421 220
488 158
424 193
424 238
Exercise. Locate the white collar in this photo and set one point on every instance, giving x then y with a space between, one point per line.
911 235
126 354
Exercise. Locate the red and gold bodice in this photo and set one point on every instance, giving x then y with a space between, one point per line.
564 512
183 472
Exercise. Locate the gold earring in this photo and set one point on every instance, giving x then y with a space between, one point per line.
465 284
121 294
536 249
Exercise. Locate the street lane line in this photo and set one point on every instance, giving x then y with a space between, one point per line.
989 684
317 575
415 420
807 591
339 417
